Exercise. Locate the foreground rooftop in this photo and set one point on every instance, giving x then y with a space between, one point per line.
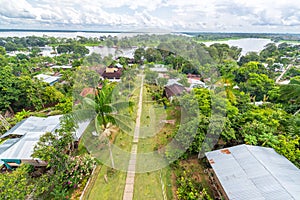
253 172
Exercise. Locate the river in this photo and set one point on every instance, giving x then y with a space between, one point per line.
247 44
55 34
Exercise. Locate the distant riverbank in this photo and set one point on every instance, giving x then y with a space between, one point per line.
247 44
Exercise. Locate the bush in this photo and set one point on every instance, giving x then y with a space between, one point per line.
189 189
78 169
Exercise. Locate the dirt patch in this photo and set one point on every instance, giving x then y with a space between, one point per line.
192 165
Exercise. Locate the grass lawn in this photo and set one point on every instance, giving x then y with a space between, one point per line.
147 186
110 190
152 114
154 135
113 188
153 132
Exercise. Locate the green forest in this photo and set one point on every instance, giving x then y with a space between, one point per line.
244 99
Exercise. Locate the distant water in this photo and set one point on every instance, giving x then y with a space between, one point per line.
56 34
115 52
247 44
70 34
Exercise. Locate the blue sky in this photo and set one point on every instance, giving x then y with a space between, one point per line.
175 15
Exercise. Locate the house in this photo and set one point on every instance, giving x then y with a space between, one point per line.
5 145
195 83
159 69
118 65
173 88
172 81
80 128
251 172
112 73
61 67
51 80
259 103
24 136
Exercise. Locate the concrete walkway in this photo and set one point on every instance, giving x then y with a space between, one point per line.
281 75
129 185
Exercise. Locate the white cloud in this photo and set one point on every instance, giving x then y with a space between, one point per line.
16 9
198 15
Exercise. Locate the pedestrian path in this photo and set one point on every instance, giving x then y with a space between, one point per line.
129 184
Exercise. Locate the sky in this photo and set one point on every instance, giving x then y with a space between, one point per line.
276 16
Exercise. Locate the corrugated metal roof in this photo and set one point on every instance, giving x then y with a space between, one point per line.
48 79
8 143
61 67
159 69
34 124
23 148
81 128
173 81
252 172
31 129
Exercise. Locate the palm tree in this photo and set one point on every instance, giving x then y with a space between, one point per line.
105 113
107 132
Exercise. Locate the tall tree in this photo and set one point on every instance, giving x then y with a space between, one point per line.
8 93
292 91
105 112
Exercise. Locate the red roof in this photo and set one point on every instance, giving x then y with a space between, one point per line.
116 74
87 91
173 90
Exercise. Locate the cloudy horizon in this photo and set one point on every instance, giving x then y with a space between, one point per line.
176 15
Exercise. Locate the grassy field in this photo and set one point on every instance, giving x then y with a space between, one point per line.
107 184
113 188
147 186
154 134
152 114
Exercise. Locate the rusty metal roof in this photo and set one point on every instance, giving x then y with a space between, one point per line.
174 90
253 172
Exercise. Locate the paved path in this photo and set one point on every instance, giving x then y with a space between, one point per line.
281 75
129 185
